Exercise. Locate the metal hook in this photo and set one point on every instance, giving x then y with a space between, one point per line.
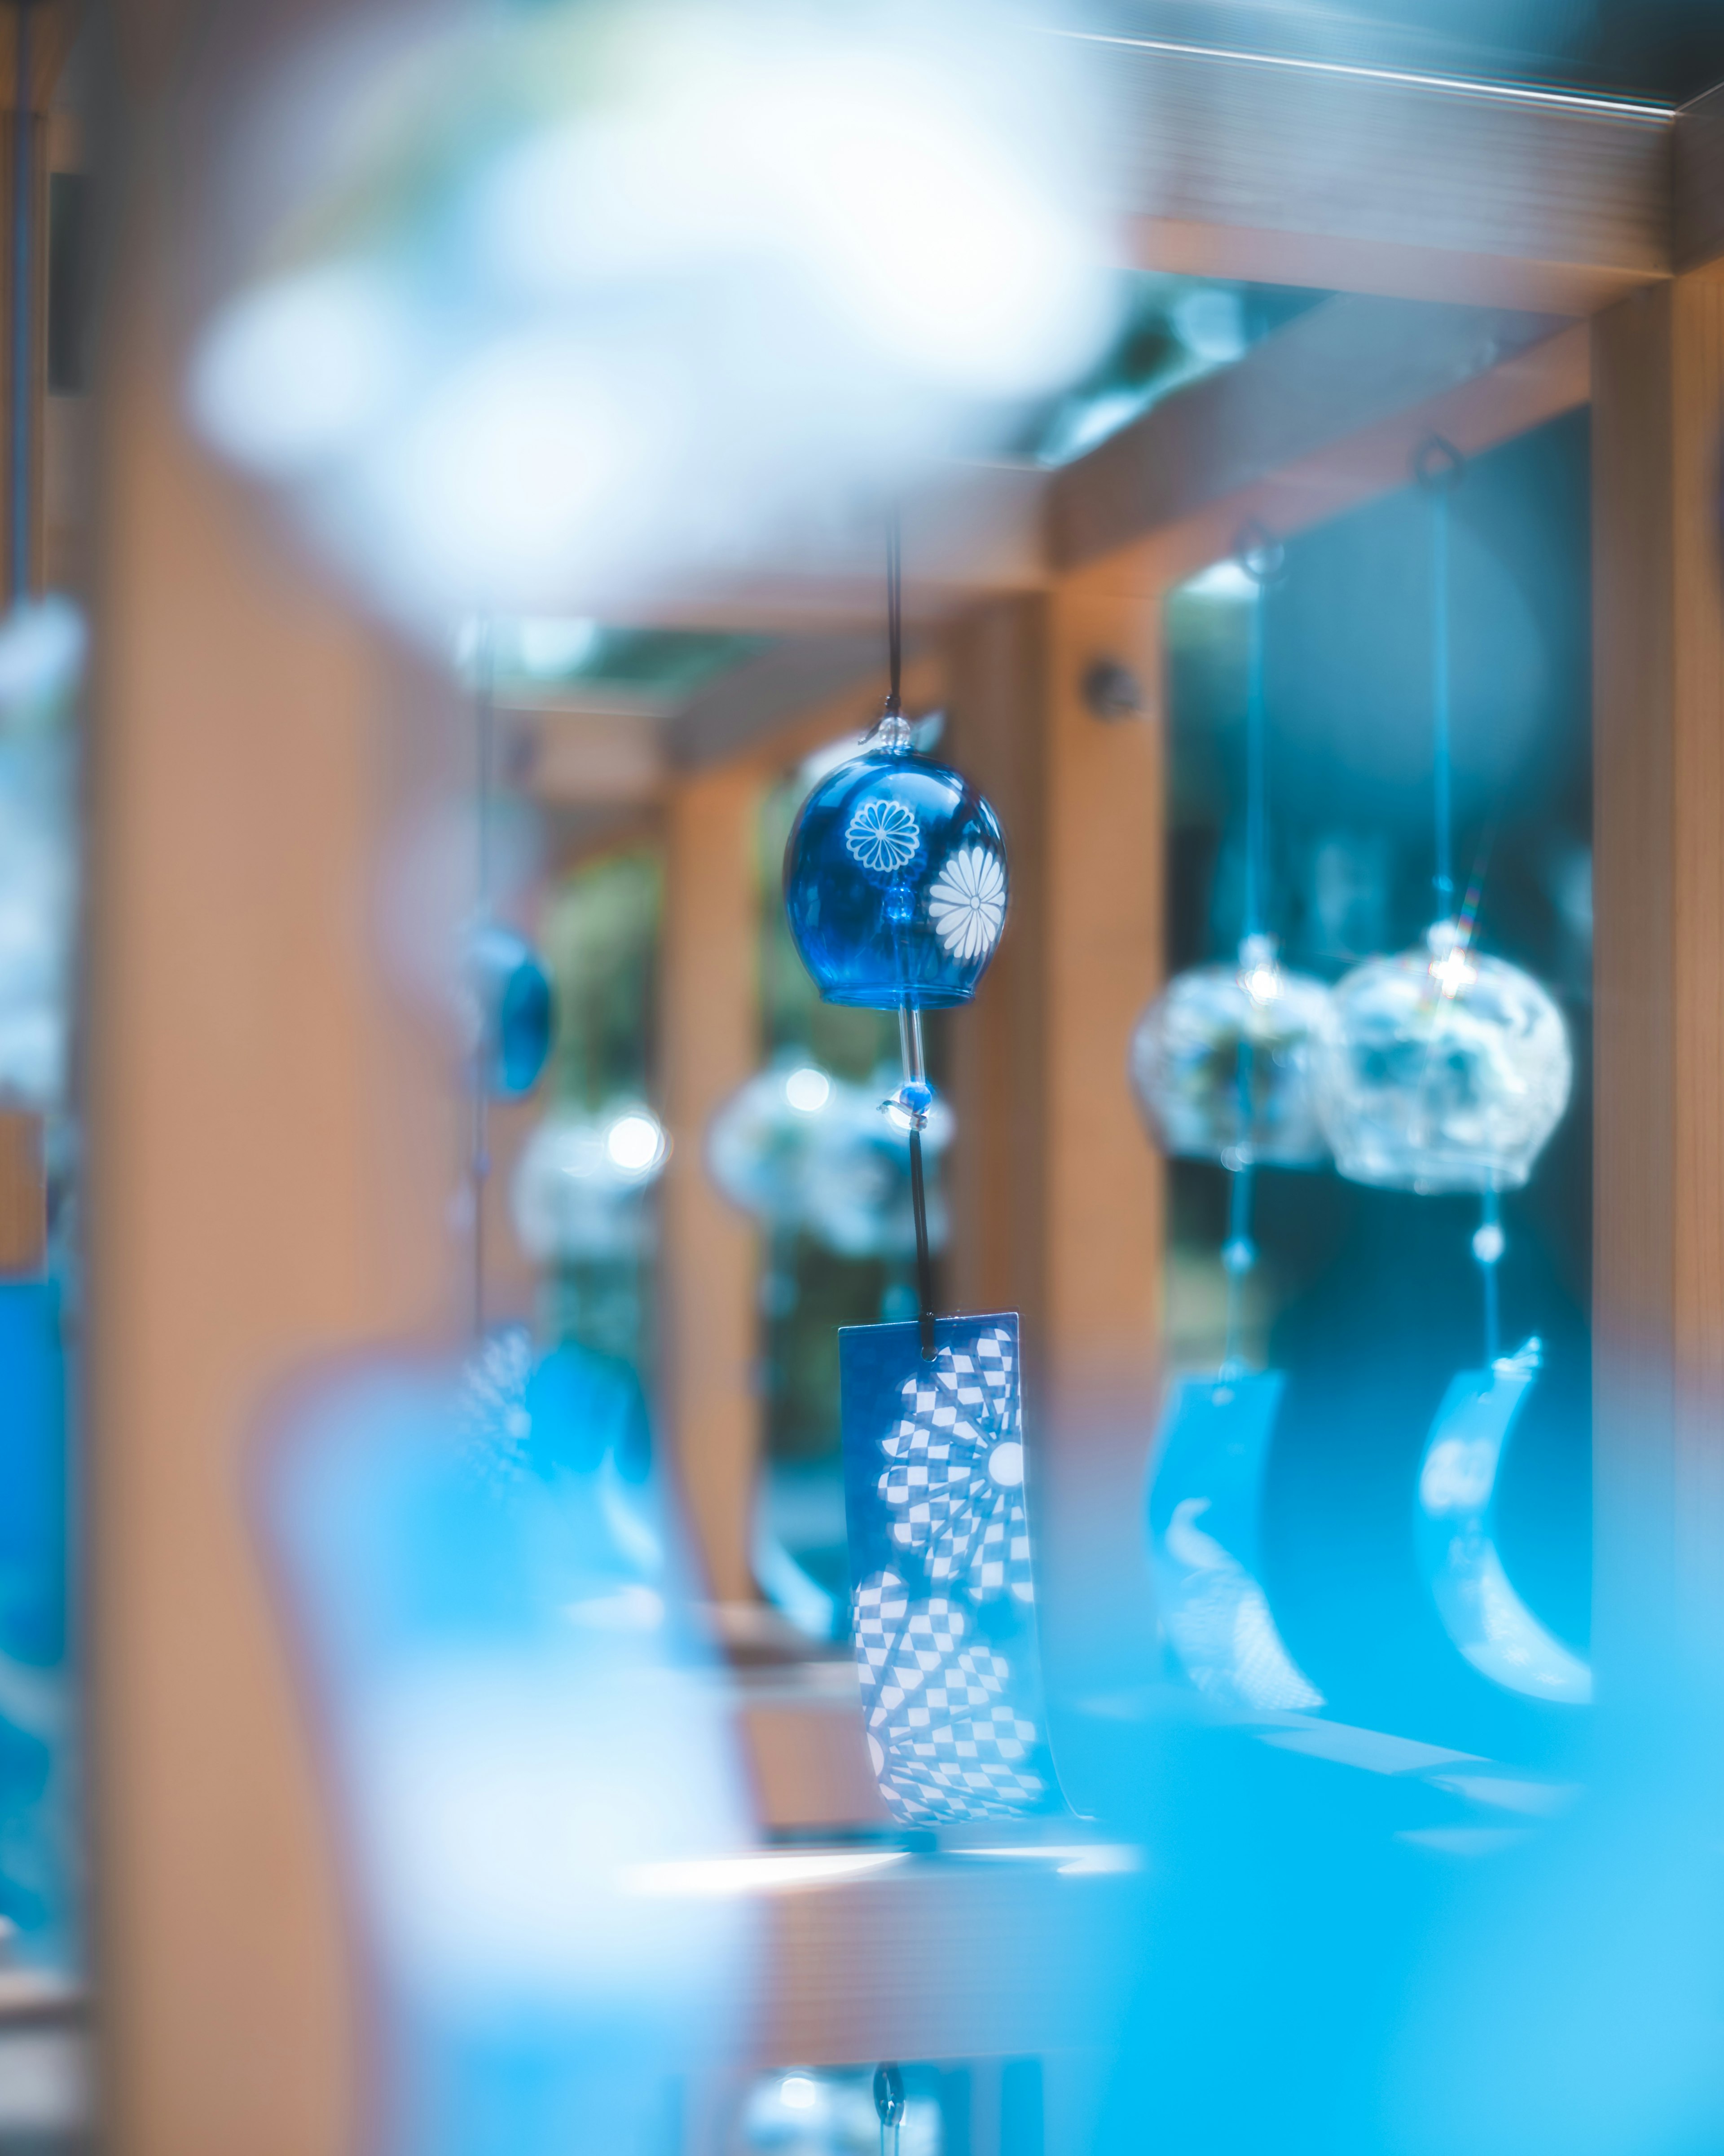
1438 467
1260 554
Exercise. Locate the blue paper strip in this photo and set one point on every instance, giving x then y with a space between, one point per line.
941 1574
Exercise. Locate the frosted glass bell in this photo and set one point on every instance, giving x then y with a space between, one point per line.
804 1151
1220 1063
579 1188
1441 1069
895 880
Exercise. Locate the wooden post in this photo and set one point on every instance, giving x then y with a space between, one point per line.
1658 981
23 1196
273 1152
1057 1193
1103 1207
708 1262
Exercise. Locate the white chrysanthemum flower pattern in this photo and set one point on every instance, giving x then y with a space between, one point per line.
955 1481
490 1406
945 1739
967 902
883 838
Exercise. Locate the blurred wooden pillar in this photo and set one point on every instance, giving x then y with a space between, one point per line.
1658 375
708 1266
1056 1192
23 1196
271 1156
1104 958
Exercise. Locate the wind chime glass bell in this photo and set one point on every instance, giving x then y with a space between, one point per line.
1221 1063
894 880
1441 1069
513 1009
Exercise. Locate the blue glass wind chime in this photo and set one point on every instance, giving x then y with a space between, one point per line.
1444 1069
896 886
1221 1063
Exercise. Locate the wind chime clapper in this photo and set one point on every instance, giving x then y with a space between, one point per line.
1443 1069
1220 1060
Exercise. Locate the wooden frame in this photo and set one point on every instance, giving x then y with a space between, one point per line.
1525 212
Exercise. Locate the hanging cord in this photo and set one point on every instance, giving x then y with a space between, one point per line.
1263 559
1489 1243
479 1162
1439 468
23 313
894 613
889 2107
916 1098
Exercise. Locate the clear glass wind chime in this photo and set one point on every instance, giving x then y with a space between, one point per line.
1221 1065
895 887
1443 1069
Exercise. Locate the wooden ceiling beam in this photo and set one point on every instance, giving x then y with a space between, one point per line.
1698 175
1363 180
1331 375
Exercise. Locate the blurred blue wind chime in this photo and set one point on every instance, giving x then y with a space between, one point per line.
895 883
509 1014
1443 1070
1221 1066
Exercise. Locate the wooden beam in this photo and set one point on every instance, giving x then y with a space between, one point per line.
742 708
1055 1191
1355 179
1332 375
1658 985
1698 216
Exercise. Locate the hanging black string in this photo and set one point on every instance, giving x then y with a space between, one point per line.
916 1096
895 615
1438 467
23 313
916 1092
479 1162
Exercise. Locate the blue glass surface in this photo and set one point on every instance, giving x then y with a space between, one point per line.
1454 1522
37 1826
515 1010
894 882
529 1759
1205 1513
942 1586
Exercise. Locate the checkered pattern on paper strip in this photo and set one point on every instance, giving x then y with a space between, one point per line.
969 1527
945 1740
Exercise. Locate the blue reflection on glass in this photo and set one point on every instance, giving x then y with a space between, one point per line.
1205 1506
529 1757
1455 1521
